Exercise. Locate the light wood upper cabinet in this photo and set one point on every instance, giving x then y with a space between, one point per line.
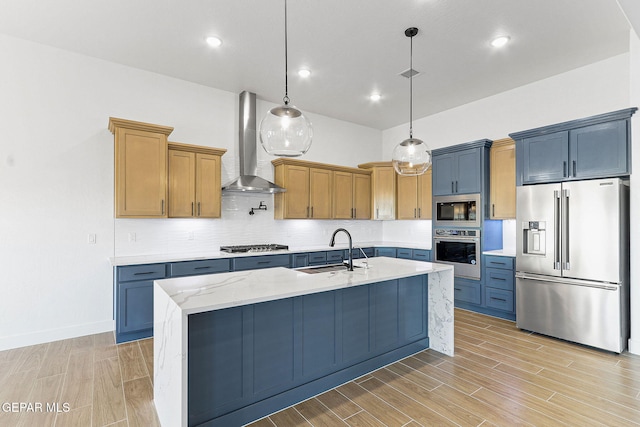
383 189
361 196
320 191
140 168
155 178
351 195
414 196
194 181
503 179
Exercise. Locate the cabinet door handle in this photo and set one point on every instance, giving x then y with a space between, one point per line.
419 212
311 211
162 206
452 186
574 168
493 209
198 208
564 169
415 213
307 211
456 186
377 214
192 209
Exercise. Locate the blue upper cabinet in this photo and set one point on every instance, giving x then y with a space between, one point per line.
593 147
545 157
460 169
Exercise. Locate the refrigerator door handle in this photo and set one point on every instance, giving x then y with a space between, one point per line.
590 284
556 230
566 265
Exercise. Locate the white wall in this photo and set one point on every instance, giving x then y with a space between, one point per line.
56 184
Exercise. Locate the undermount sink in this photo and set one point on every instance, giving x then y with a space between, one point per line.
325 268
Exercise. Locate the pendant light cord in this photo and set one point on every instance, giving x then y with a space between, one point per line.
410 90
286 64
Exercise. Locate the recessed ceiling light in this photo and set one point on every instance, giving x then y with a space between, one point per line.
214 41
304 73
500 41
375 97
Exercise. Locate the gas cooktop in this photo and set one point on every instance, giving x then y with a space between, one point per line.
253 248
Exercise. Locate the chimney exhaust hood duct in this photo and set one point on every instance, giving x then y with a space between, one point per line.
248 181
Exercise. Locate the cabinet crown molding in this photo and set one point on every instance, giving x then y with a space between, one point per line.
115 123
310 164
173 145
480 143
574 124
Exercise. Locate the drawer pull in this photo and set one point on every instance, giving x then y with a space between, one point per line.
502 264
457 289
264 262
143 273
498 278
498 299
202 268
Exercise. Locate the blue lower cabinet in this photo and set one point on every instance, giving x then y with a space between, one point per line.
468 291
499 299
404 253
133 288
317 258
421 255
299 260
335 257
194 268
256 262
247 362
388 252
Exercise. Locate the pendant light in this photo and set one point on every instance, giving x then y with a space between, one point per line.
285 131
411 156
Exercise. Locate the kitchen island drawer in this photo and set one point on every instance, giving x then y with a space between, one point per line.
499 299
266 261
141 272
467 291
388 252
497 278
192 268
503 262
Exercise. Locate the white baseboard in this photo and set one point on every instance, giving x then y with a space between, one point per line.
40 337
634 346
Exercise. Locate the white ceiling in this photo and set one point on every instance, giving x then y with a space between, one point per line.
353 47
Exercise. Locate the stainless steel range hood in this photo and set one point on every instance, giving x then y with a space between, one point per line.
248 181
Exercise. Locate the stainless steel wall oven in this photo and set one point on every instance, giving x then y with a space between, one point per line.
462 210
460 248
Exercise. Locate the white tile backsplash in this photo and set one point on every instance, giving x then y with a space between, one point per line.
236 227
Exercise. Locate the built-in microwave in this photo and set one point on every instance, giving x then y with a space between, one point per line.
462 210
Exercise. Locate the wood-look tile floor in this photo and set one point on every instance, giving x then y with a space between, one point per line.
500 376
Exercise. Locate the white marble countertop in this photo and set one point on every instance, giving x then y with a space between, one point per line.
193 256
501 252
197 294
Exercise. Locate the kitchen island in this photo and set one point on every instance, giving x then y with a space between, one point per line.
233 347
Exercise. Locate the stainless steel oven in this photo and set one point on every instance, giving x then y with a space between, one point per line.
461 210
460 248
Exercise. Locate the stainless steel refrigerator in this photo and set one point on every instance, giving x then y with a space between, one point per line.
572 261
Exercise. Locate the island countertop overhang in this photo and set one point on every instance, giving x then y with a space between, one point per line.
198 294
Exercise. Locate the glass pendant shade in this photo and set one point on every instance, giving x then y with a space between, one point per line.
285 132
411 157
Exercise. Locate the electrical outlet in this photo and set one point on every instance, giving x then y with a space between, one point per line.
132 237
91 238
